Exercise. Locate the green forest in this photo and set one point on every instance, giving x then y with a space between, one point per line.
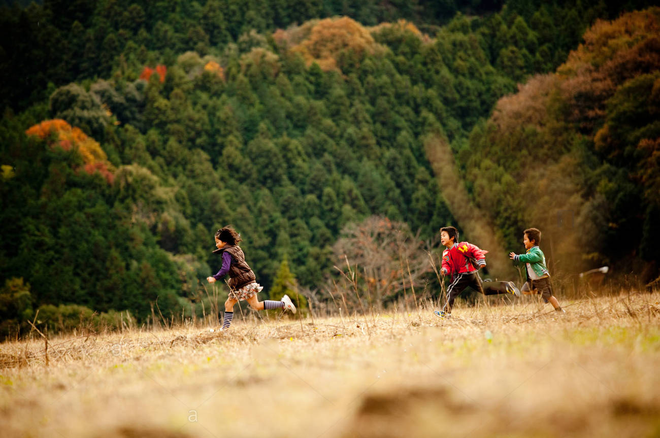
132 130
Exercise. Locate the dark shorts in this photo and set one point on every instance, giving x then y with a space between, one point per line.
543 287
472 279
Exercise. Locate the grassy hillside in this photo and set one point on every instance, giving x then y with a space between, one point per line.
514 370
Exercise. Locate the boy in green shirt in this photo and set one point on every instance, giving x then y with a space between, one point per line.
538 277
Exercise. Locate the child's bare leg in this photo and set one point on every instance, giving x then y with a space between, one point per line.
552 300
229 305
546 292
254 302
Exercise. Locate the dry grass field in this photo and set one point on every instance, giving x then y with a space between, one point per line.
494 370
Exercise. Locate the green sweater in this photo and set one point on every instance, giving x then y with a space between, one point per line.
536 260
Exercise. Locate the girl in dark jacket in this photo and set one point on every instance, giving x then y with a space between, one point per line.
242 281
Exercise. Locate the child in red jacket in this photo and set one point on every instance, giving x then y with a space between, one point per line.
462 261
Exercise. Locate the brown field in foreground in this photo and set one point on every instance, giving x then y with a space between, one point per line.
509 370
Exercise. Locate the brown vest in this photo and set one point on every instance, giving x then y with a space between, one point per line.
240 273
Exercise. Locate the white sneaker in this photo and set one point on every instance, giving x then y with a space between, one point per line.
288 304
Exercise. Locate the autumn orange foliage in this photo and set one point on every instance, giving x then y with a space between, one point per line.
45 129
406 25
215 68
606 39
613 52
527 107
322 41
101 167
148 71
67 137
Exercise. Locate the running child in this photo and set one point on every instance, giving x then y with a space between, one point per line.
462 261
242 281
538 276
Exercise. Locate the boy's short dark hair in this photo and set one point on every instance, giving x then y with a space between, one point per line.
533 234
451 231
229 235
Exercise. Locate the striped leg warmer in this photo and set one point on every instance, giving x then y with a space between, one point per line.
227 321
268 304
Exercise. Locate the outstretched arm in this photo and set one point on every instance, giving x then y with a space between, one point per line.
478 254
226 263
530 257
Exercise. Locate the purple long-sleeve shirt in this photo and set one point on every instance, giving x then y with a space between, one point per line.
226 263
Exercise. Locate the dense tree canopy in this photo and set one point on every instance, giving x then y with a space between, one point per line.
131 131
579 149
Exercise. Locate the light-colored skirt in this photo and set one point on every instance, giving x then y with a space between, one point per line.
246 292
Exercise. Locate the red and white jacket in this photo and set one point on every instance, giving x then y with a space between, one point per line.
462 258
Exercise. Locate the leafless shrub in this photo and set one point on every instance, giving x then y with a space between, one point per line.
380 260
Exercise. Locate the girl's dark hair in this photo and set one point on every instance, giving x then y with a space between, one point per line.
533 234
229 235
451 231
